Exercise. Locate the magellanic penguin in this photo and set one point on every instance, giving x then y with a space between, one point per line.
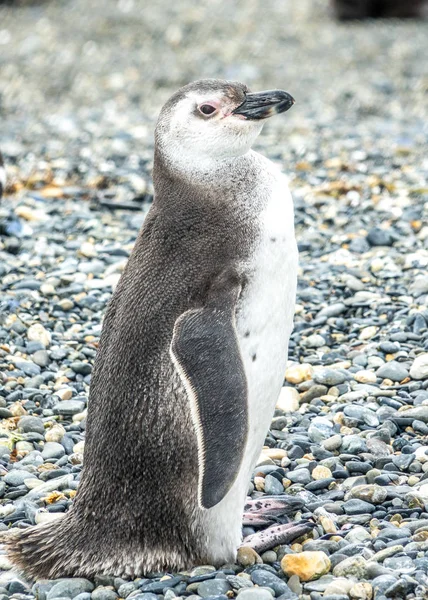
192 352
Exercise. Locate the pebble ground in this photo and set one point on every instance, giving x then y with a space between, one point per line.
80 87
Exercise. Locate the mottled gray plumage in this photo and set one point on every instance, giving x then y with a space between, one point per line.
142 499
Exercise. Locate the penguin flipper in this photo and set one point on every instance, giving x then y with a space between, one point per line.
206 352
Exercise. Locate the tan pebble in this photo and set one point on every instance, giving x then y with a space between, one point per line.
413 480
259 483
344 364
88 250
76 458
298 373
306 565
47 467
47 289
327 524
24 448
361 591
368 332
29 214
79 447
422 536
55 433
247 557
289 400
338 418
264 460
346 431
64 393
32 483
365 376
338 586
286 482
80 416
47 517
321 472
66 304
37 333
274 453
296 547
17 409
376 265
328 398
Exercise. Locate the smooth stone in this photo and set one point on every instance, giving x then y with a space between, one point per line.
306 565
382 583
254 594
419 368
29 424
361 591
329 377
289 400
68 407
16 477
273 486
104 593
392 370
247 557
266 579
70 588
368 493
299 476
353 444
332 443
354 566
52 450
213 587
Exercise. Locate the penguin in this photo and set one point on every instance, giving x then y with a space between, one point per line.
192 353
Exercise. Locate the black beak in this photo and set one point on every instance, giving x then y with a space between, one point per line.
262 105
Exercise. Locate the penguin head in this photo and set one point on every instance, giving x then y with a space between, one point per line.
212 119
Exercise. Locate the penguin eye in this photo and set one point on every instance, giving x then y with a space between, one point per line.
207 109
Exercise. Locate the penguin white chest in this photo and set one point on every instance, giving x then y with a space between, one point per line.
265 318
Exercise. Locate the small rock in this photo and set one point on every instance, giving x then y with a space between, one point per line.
70 588
69 407
354 566
329 377
361 591
419 368
55 433
299 373
247 557
213 587
104 593
321 472
392 370
52 450
37 333
288 400
306 565
254 594
31 424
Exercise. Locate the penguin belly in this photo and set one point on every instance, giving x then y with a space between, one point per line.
264 322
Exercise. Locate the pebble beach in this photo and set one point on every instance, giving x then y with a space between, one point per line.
81 84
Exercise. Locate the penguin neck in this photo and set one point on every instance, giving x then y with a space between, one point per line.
203 171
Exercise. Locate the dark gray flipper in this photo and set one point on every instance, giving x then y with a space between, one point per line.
206 351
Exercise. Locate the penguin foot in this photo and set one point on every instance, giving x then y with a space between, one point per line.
277 535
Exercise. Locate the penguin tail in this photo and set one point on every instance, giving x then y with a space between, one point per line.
46 551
